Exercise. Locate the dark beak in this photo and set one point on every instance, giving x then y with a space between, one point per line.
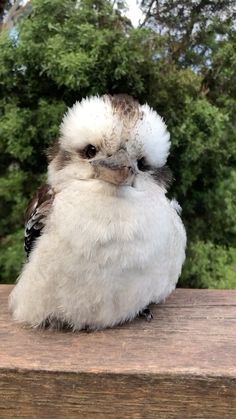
116 169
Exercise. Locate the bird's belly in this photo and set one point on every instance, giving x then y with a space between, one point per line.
112 262
99 262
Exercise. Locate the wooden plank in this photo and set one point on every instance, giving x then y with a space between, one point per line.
204 297
181 365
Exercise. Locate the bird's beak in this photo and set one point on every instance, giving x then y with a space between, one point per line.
117 169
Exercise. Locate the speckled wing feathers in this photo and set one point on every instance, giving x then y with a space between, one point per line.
36 214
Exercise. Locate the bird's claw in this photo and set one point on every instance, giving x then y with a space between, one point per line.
147 314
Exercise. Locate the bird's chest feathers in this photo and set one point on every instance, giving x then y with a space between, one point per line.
108 227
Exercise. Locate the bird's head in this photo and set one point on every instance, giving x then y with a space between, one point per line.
112 139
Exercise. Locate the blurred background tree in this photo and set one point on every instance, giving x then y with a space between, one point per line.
181 60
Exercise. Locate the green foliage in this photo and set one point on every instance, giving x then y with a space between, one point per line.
182 64
209 266
12 256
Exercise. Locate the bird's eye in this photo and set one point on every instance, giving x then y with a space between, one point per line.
90 151
142 164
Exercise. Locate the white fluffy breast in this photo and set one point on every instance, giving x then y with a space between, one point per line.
115 255
101 259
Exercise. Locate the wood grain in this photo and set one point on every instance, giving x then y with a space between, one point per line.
181 365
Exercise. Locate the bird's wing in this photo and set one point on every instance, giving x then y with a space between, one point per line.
36 214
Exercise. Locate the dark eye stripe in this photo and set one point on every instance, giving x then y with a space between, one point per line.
162 176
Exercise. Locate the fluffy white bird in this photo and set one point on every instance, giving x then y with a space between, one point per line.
104 240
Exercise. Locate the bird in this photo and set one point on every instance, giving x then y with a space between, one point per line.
103 239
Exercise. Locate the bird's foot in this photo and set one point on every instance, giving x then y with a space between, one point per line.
147 314
56 324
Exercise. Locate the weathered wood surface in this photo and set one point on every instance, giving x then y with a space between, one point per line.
181 365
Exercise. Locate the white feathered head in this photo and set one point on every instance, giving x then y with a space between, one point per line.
111 138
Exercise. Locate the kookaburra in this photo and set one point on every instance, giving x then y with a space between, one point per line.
103 239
